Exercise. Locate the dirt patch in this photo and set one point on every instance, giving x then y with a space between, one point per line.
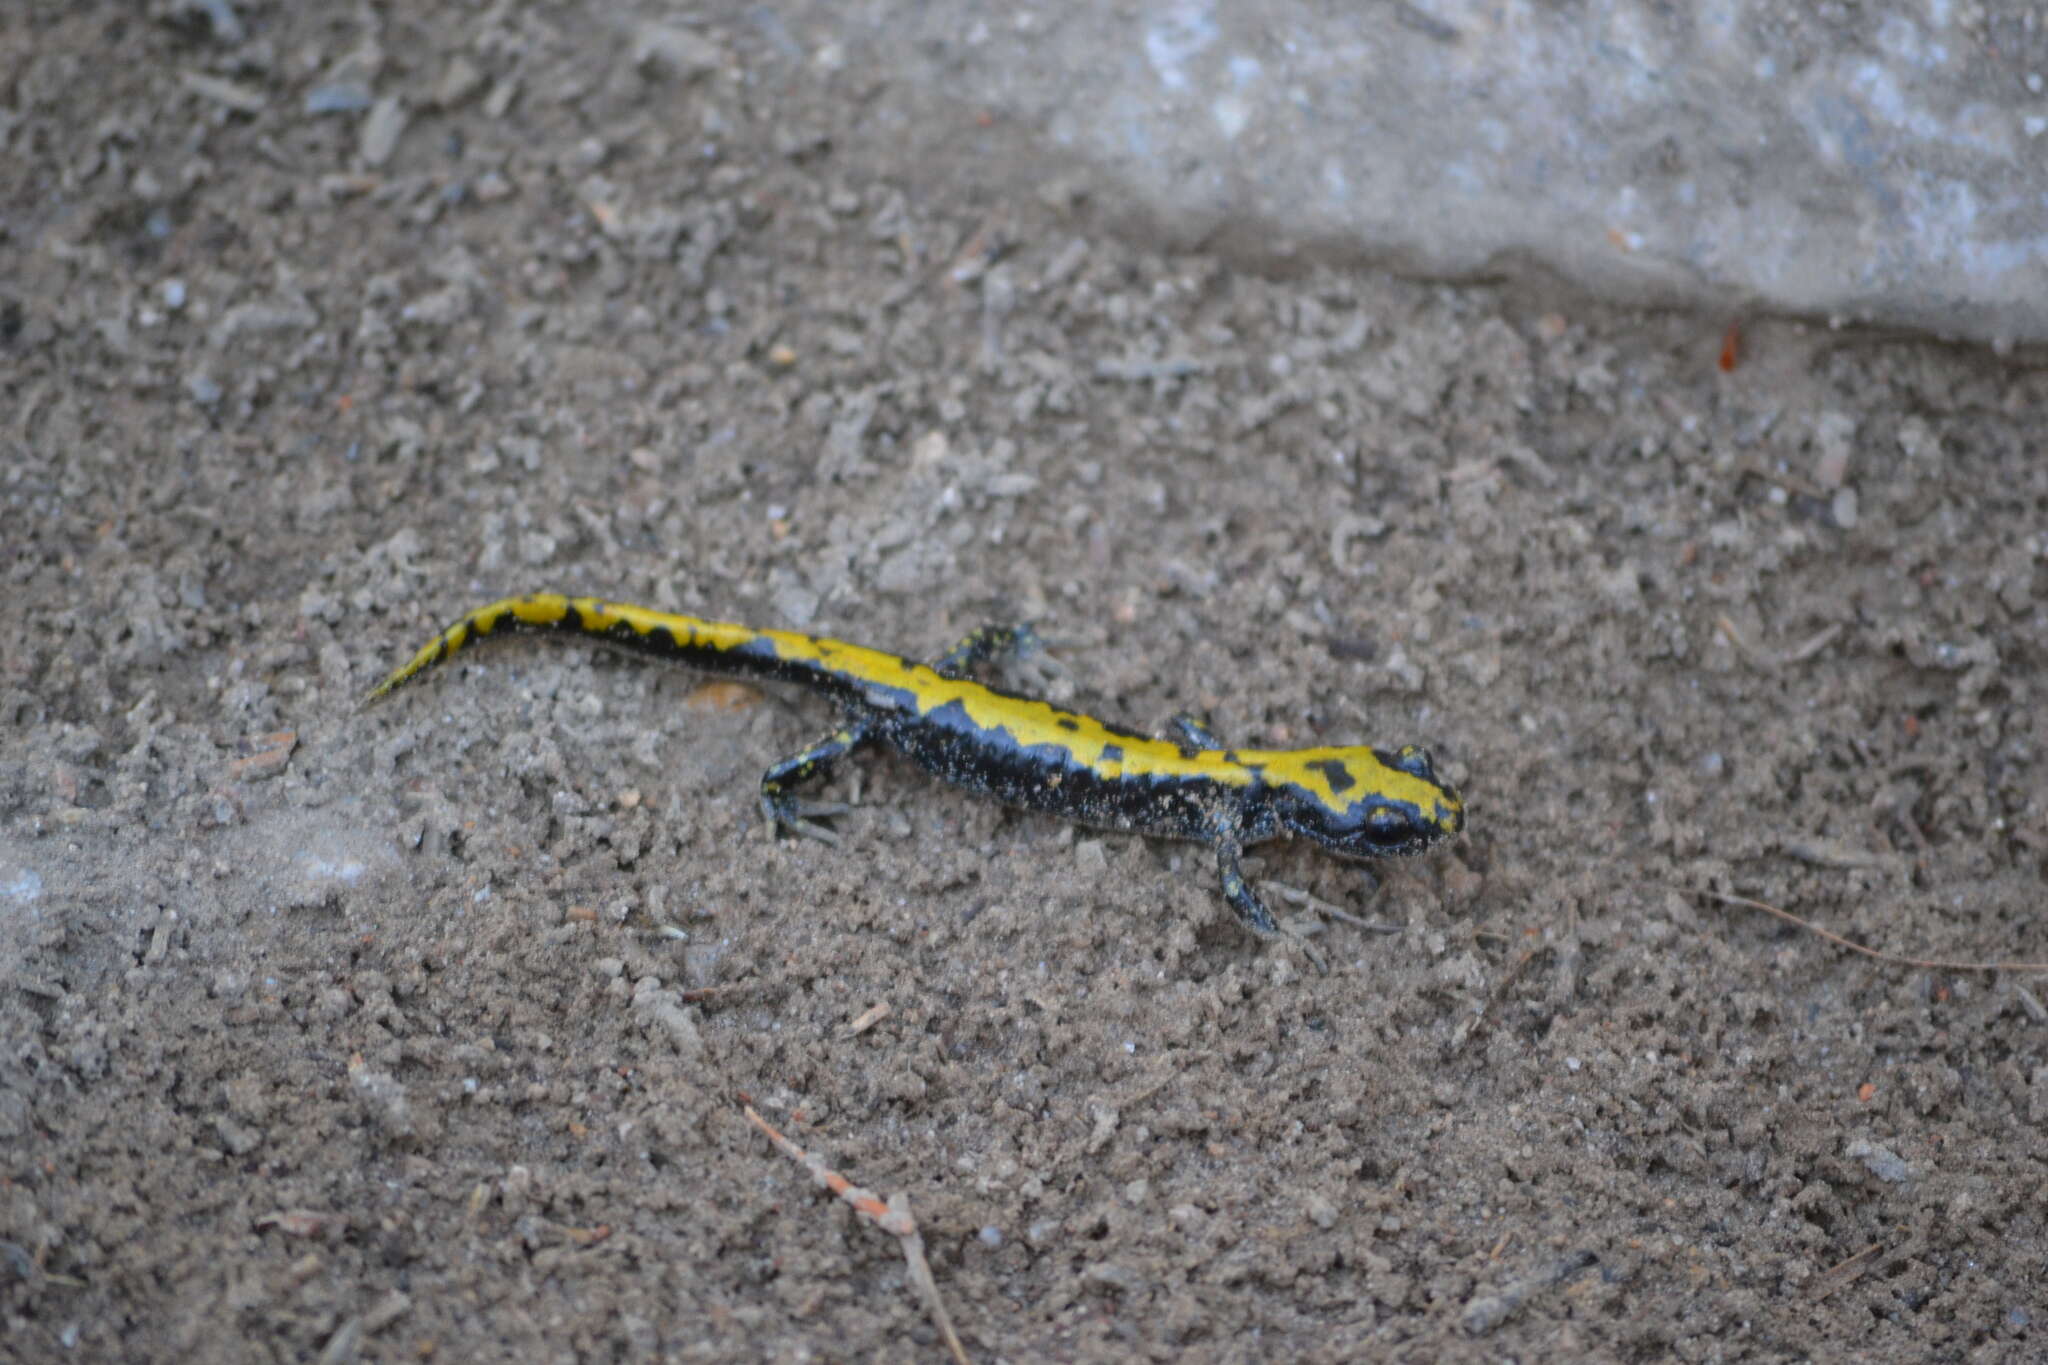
422 1031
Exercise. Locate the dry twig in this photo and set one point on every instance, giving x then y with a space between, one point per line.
1472 1024
1847 1272
870 1017
1767 661
892 1217
1294 895
1926 964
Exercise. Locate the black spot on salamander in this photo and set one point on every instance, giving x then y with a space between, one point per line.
665 638
1112 753
1067 723
1337 774
572 617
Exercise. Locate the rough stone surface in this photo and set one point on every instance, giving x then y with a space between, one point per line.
1877 162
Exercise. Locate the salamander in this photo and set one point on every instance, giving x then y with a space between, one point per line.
1355 801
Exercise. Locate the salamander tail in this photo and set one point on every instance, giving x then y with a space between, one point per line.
535 611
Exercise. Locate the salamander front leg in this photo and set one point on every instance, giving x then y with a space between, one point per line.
1251 911
794 814
989 645
1193 734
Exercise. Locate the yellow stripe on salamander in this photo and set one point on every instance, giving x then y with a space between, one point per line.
551 609
1108 753
1312 770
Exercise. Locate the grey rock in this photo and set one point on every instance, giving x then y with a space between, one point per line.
1882 164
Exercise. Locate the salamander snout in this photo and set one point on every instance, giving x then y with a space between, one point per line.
1372 803
1448 817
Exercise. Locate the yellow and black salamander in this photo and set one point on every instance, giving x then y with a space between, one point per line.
1355 801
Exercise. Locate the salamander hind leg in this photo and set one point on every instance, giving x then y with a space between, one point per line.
799 816
989 645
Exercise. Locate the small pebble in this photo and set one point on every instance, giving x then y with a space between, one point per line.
459 80
1843 508
228 94
338 97
381 131
672 50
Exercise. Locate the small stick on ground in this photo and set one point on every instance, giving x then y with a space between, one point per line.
892 1217
1767 661
1925 964
1473 1024
1791 483
1294 895
871 1016
1835 1276
730 990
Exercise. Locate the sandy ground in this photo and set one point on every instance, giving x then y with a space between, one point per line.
421 1033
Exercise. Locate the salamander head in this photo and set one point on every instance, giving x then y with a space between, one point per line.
1364 803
